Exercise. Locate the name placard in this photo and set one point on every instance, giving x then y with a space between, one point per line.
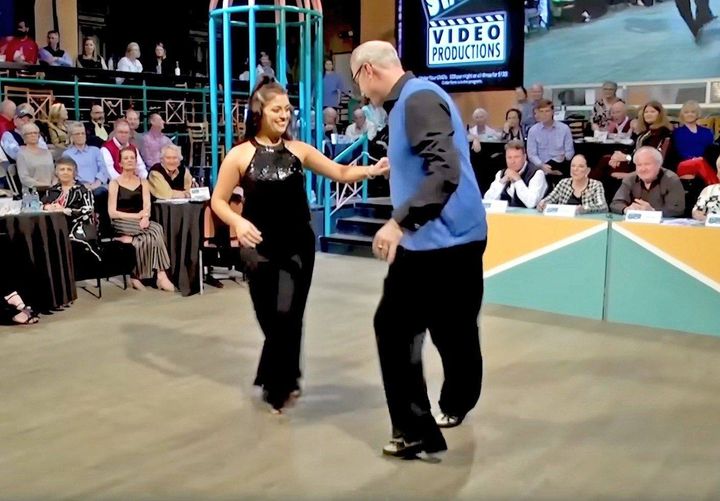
713 220
495 206
644 216
561 210
200 194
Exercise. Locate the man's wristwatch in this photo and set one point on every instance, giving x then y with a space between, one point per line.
628 158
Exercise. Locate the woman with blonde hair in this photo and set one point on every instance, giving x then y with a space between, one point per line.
690 141
131 62
88 57
57 128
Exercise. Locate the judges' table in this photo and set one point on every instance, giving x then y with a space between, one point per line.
554 264
182 223
41 239
665 276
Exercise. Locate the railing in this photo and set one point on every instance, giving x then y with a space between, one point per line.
344 192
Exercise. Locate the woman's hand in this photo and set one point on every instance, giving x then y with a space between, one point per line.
247 234
144 223
382 168
541 205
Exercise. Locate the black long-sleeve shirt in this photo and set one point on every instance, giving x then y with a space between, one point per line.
429 129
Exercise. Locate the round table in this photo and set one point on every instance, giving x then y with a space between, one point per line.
48 273
183 228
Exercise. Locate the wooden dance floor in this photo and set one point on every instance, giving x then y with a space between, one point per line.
144 396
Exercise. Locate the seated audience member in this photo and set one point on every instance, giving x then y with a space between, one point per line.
131 62
550 143
52 54
129 210
653 129
13 309
376 115
360 126
690 142
57 129
111 151
480 130
709 200
601 115
651 187
76 201
22 48
521 184
169 178
136 136
7 114
161 64
265 67
330 118
90 167
578 189
154 140
528 105
89 58
620 122
35 166
512 130
96 129
12 140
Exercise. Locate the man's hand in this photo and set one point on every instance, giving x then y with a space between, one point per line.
476 145
386 241
642 204
512 175
382 168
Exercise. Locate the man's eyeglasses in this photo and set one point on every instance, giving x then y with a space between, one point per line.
357 73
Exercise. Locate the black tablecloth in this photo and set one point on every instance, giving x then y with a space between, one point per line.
183 228
48 281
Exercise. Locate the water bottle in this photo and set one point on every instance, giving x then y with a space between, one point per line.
35 203
26 201
313 197
177 69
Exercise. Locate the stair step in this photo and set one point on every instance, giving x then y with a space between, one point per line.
360 225
346 238
374 208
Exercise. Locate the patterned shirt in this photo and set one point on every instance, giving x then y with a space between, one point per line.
709 200
592 197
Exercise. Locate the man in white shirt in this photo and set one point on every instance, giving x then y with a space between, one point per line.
360 126
521 184
111 151
480 131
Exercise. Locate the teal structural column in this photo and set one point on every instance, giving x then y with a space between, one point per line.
212 40
77 99
252 48
307 88
227 80
282 49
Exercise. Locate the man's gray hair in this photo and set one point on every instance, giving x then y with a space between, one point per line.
376 52
653 152
171 147
75 126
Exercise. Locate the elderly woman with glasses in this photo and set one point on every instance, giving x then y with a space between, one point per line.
35 165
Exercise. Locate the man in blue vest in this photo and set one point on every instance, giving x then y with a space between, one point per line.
434 244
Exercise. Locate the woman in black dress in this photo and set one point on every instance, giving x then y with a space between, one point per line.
274 229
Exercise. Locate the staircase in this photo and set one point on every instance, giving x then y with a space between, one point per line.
354 234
